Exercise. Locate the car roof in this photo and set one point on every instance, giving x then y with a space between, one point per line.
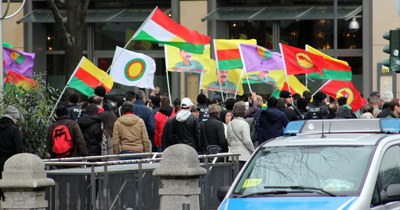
328 139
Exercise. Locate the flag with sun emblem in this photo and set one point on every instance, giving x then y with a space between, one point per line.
133 69
256 58
337 89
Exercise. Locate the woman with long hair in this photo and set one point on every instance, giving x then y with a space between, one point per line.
109 119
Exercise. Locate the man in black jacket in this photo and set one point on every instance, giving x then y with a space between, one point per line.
290 113
214 130
10 137
185 127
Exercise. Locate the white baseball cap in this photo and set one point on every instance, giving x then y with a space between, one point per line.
186 102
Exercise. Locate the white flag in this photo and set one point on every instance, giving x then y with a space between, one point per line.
133 69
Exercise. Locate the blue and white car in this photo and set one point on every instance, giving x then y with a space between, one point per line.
325 165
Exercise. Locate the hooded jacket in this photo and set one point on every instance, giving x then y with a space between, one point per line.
271 124
130 135
239 138
161 117
10 139
185 129
214 131
92 133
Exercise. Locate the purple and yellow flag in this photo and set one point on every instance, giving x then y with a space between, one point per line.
18 61
256 58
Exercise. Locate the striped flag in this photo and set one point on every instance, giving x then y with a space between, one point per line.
227 53
160 28
333 69
87 77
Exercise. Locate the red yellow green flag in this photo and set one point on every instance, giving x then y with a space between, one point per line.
227 53
87 77
299 61
337 89
20 81
333 69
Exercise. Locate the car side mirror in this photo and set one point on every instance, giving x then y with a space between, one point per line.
222 192
392 193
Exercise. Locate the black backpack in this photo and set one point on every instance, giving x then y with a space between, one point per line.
252 121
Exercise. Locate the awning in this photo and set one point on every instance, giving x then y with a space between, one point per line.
283 12
93 16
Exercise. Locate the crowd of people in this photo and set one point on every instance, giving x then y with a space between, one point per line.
134 124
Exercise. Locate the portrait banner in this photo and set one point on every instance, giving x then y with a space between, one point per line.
179 60
229 81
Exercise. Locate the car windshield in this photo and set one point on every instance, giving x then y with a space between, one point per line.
318 170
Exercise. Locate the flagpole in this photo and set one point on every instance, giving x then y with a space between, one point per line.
130 40
62 93
166 72
284 65
237 86
219 81
248 83
244 67
322 87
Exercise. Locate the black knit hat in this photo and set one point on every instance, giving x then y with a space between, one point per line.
285 94
100 91
319 96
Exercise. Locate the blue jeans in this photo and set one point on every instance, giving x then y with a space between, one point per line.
131 158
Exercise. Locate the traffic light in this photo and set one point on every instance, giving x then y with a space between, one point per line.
393 50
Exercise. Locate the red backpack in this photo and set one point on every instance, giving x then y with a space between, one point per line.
62 141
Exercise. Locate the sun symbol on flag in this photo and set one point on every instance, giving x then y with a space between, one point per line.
135 69
177 38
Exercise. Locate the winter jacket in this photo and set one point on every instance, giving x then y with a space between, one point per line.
130 135
392 115
185 129
239 138
144 112
10 139
155 110
90 125
203 112
291 115
74 111
317 110
76 135
384 113
215 133
344 113
166 141
271 124
161 118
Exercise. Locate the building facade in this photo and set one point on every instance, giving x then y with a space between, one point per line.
322 24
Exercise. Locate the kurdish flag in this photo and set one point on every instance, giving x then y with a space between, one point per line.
160 28
87 77
299 61
227 53
256 58
333 69
20 81
133 69
337 89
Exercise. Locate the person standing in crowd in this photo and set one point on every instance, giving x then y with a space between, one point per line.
155 92
202 106
79 148
161 118
333 110
74 111
302 106
307 95
394 108
100 91
290 113
287 96
228 108
217 99
129 134
109 119
144 112
90 124
155 101
214 129
271 122
185 127
375 101
387 96
318 109
253 105
176 106
238 130
195 111
344 111
367 112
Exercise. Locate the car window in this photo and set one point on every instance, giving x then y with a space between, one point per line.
336 169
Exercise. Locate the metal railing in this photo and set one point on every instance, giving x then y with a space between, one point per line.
104 182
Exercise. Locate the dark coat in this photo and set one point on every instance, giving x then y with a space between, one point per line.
90 125
317 110
291 115
384 113
271 124
74 111
10 140
214 131
185 130
165 140
344 113
144 112
203 112
76 135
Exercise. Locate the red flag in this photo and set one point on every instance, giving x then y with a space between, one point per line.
298 61
337 89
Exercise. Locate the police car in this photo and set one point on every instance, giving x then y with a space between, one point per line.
323 164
